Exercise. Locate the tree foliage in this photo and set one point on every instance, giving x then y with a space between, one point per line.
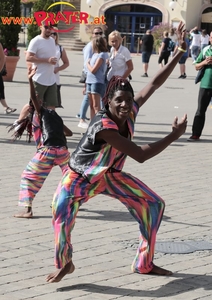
157 32
39 5
10 32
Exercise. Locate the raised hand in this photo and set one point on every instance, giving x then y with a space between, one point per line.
179 128
181 33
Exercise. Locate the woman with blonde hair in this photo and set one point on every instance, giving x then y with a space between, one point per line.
164 51
95 80
120 61
60 54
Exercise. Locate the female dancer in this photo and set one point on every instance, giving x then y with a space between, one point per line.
49 135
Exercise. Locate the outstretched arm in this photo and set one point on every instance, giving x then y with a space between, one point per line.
143 153
164 72
33 97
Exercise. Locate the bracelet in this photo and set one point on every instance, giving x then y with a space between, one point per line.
181 49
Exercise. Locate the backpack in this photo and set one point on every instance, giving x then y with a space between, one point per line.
171 46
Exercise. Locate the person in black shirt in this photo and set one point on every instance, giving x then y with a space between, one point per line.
164 52
146 42
49 134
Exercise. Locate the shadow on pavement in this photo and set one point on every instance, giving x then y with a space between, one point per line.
175 287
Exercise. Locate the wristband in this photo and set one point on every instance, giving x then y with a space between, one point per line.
181 49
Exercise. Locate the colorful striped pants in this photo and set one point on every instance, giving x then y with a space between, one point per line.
38 169
144 205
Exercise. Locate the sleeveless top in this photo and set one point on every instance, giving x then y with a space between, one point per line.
93 158
48 129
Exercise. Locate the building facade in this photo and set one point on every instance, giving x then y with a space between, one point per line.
133 17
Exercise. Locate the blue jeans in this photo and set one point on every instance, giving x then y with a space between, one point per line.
84 106
195 52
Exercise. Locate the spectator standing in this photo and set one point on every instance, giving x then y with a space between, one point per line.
42 53
120 61
7 109
204 39
164 53
60 54
183 59
87 53
195 43
147 42
205 91
95 81
173 37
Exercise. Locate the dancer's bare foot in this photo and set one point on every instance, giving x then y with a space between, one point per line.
160 271
58 275
27 213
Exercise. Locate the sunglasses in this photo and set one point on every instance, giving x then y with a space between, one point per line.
47 27
100 32
54 33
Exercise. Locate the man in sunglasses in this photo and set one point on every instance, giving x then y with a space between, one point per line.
41 53
87 53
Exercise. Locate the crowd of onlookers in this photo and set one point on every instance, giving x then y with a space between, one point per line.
102 58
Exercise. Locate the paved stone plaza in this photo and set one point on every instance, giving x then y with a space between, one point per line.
105 235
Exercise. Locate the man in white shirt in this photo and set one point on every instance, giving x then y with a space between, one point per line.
42 53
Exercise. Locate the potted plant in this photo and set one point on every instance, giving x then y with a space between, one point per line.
9 35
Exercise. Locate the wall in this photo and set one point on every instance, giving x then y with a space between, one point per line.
184 11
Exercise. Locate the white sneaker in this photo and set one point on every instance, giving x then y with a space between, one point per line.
83 124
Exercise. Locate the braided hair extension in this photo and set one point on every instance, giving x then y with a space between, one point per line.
116 83
25 124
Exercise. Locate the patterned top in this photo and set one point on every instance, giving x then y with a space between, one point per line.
94 158
48 129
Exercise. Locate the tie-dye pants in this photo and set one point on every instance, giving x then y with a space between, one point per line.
38 169
144 205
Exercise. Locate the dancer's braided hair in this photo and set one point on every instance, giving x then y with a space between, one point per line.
116 83
25 124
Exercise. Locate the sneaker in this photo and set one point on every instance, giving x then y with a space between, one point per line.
193 138
185 75
182 76
78 117
83 125
145 75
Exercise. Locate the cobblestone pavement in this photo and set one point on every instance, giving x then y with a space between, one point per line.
105 236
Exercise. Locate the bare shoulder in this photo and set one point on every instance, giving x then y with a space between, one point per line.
107 135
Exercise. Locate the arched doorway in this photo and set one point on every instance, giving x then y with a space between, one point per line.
207 19
132 20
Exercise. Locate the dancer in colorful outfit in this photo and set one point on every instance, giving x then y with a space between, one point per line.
49 135
96 168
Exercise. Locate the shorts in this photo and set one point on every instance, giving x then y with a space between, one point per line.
145 57
183 60
95 88
47 94
164 56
